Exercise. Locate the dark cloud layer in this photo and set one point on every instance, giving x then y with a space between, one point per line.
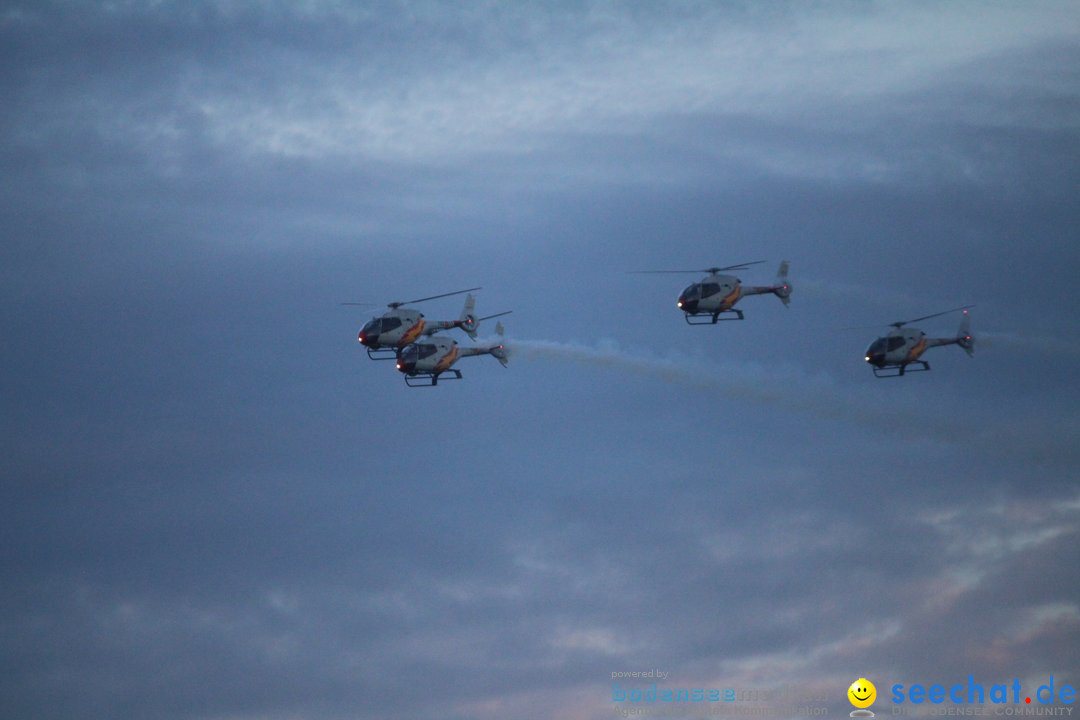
214 506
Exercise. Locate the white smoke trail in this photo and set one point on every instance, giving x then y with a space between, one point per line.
818 396
608 354
833 289
1055 346
793 390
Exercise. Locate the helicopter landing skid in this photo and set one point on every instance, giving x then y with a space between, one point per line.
431 379
382 353
891 371
711 318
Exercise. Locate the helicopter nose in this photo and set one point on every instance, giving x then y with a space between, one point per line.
406 366
689 306
368 340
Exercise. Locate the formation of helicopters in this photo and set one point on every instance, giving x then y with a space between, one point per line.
405 335
423 356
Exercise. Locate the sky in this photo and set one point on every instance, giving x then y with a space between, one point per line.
214 506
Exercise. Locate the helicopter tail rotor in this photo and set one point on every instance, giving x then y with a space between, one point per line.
468 319
964 338
500 352
783 286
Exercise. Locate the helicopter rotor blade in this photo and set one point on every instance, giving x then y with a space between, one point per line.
857 327
927 317
713 270
488 317
432 297
740 266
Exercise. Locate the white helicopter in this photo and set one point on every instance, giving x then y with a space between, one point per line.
704 302
891 356
424 362
385 336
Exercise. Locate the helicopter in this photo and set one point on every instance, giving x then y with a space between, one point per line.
704 302
891 355
385 336
424 362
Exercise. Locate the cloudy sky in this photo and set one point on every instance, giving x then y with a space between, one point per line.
213 505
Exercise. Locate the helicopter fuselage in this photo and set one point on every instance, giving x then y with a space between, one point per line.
904 347
891 355
424 362
715 294
704 302
429 357
899 347
396 329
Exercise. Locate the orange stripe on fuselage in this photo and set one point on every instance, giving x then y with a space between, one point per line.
449 359
919 349
732 298
412 333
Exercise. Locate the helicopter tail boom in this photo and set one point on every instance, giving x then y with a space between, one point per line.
781 288
963 337
499 350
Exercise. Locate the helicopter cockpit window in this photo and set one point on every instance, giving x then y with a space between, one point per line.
709 289
372 327
895 343
410 354
876 347
426 350
390 323
692 292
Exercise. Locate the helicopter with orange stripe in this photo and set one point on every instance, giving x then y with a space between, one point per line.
704 302
385 336
896 353
424 362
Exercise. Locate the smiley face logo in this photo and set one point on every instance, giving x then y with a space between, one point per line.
862 693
